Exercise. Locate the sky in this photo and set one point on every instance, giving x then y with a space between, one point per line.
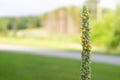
39 7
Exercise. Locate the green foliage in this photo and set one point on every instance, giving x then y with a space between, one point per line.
102 30
117 12
116 35
3 25
115 41
22 24
19 23
107 31
14 24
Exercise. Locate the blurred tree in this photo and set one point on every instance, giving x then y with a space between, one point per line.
117 12
93 6
31 22
38 23
15 24
21 24
116 30
116 35
107 31
69 16
10 24
3 25
106 11
103 30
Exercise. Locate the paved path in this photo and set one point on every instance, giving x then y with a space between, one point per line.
108 59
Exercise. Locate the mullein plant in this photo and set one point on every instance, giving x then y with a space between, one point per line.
86 47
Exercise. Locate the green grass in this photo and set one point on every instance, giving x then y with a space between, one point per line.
34 67
42 43
56 43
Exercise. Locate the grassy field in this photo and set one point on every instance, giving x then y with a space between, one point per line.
34 67
55 43
42 43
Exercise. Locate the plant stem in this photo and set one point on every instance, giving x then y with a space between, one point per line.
86 48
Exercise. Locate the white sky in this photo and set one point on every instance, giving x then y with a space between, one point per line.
38 7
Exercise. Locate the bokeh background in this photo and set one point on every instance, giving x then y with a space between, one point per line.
55 25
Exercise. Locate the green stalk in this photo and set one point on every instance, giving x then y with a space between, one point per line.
86 48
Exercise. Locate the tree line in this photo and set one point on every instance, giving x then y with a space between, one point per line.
14 24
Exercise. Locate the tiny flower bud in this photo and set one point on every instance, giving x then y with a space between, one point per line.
88 15
90 47
83 17
83 30
81 36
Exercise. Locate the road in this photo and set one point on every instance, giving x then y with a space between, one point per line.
107 59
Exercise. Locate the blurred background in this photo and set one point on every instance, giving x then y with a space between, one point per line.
58 23
55 25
